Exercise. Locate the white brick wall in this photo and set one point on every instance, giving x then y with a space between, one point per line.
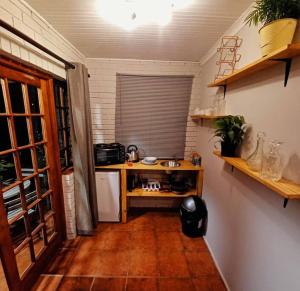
21 16
103 92
69 201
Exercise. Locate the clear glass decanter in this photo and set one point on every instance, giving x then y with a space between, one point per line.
271 164
254 161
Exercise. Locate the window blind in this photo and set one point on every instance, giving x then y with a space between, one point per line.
151 112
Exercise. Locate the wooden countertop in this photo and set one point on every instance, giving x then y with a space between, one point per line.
185 166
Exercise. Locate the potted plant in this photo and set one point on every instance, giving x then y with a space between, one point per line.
280 19
5 168
231 130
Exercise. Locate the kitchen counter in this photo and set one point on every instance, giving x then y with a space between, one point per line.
185 166
125 168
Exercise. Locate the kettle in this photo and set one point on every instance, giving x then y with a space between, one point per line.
132 153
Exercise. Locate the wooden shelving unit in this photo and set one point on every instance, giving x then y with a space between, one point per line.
284 54
126 169
285 188
158 194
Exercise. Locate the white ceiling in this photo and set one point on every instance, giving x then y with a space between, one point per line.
188 37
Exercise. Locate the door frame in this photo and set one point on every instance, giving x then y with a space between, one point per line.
21 70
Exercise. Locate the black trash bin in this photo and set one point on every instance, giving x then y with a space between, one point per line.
193 214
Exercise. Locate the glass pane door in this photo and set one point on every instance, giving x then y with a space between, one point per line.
26 177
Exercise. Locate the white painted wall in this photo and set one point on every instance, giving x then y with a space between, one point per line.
255 241
21 16
103 92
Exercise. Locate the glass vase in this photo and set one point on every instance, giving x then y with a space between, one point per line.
254 161
271 163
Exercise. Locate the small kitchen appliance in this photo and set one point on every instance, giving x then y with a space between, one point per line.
108 196
132 153
109 154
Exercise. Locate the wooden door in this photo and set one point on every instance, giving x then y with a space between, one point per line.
31 210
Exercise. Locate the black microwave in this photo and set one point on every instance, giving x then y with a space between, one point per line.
109 154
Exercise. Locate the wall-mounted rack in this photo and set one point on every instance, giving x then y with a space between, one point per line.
285 55
287 189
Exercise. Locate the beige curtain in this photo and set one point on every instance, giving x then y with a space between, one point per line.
82 145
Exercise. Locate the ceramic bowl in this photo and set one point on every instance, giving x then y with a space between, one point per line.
150 159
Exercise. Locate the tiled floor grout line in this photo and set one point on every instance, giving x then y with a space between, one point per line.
156 246
129 277
92 284
157 256
126 279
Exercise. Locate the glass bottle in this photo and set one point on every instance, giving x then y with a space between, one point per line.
219 105
254 161
271 164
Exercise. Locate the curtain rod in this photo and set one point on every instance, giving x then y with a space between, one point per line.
20 34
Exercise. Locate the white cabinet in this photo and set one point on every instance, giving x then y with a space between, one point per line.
108 195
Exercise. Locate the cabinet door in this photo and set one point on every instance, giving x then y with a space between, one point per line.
108 196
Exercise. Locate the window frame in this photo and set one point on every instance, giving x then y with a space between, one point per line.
152 113
62 109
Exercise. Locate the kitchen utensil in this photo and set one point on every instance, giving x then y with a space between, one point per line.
150 160
132 153
179 187
196 159
149 164
165 187
131 182
151 185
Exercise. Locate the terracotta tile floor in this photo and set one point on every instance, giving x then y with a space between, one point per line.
148 253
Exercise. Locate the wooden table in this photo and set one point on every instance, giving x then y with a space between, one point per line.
126 168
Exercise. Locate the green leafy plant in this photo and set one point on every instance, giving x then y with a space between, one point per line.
266 11
230 129
4 168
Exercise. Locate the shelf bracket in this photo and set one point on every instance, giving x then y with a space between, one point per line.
225 89
288 65
285 202
232 169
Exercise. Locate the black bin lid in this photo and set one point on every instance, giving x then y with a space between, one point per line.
193 206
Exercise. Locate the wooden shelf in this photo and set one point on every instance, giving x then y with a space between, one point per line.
199 117
284 53
143 193
184 166
285 188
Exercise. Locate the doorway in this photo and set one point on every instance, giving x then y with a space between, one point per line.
31 208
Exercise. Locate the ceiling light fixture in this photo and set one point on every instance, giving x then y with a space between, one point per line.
130 14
